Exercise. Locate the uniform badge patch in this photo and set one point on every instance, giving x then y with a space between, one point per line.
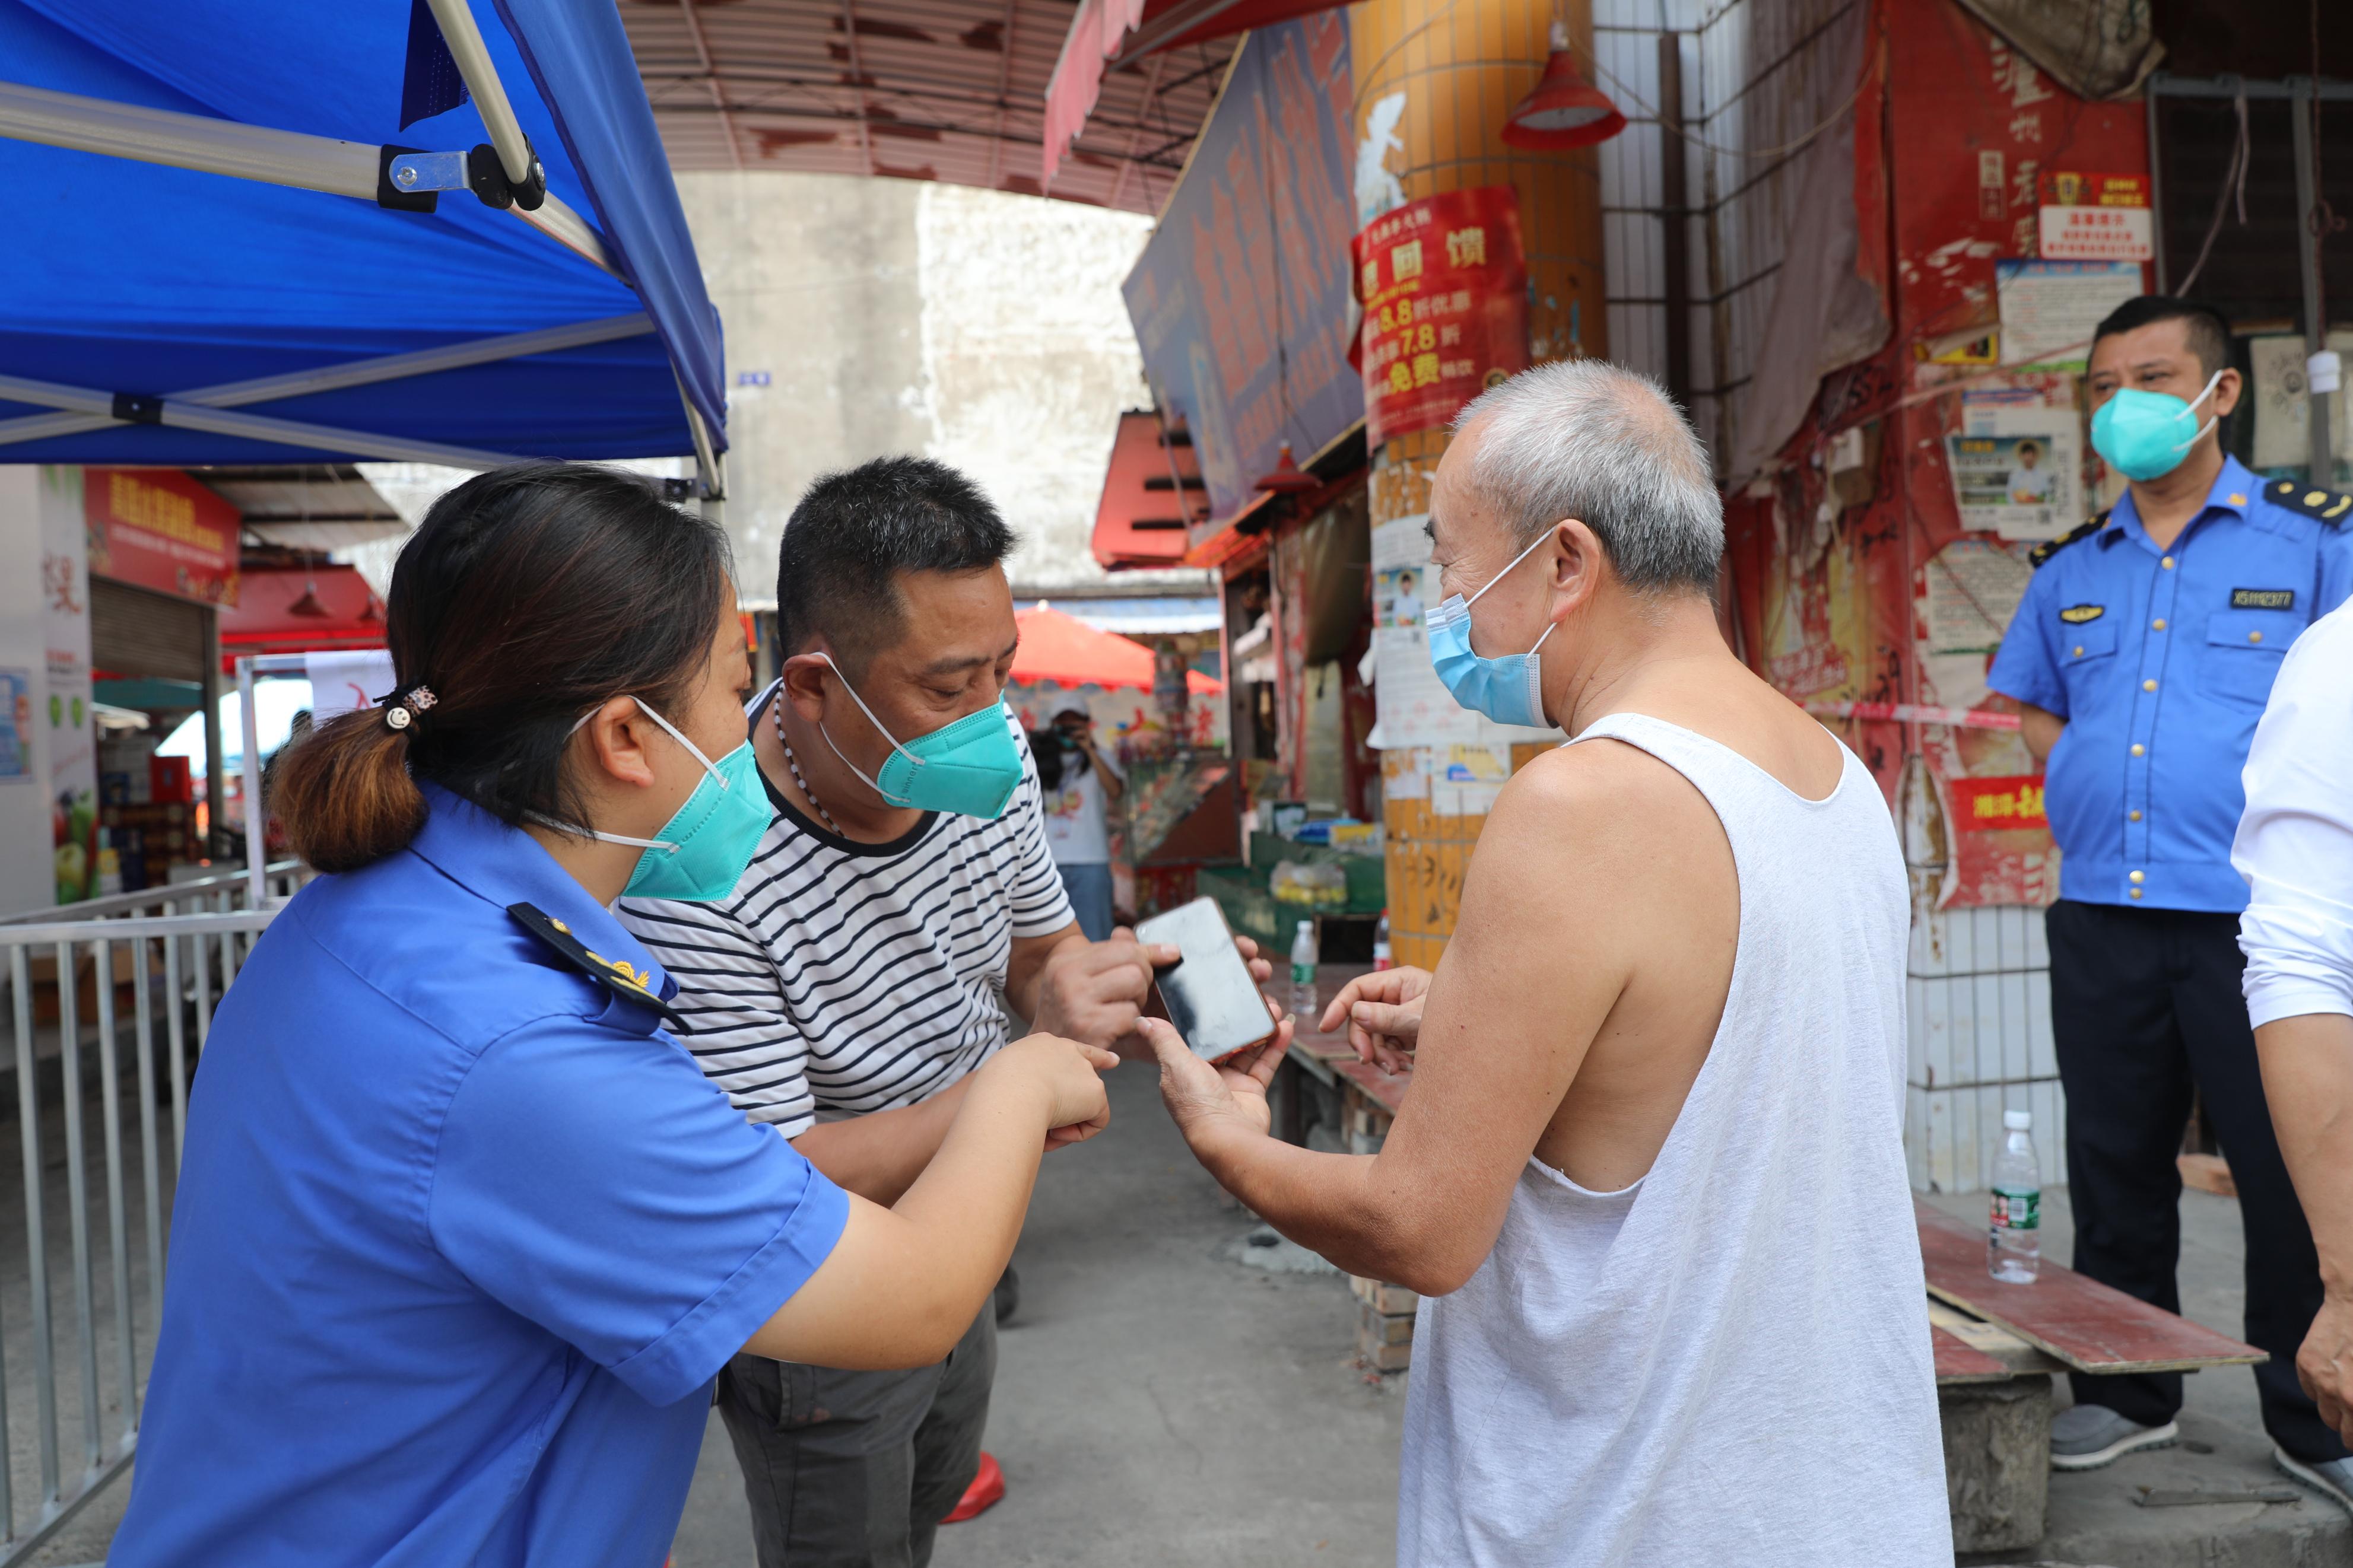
2076 615
2263 598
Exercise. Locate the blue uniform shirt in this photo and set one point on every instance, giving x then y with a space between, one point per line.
2160 660
461 1241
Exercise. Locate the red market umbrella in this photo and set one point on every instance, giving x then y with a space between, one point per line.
1069 652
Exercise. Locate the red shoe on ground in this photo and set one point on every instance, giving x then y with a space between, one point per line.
987 1490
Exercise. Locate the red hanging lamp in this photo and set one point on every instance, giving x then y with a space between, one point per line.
1563 109
1287 477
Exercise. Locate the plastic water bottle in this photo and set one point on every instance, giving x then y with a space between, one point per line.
1381 958
1303 974
2014 1238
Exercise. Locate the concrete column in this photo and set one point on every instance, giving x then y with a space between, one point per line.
1461 65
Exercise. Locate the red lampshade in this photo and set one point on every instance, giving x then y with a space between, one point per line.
1288 479
1564 110
309 604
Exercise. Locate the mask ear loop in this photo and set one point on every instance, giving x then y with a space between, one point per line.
2212 382
664 845
1506 571
870 718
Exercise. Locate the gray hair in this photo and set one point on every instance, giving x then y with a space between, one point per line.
1591 440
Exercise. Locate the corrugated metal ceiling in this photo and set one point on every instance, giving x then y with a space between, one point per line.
924 89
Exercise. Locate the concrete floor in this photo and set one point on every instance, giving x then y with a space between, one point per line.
1158 1402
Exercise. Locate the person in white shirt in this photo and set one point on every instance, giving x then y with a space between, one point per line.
1079 783
2295 848
2030 484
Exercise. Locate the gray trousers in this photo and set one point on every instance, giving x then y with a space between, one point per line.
856 1470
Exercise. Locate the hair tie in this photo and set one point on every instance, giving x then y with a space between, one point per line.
404 708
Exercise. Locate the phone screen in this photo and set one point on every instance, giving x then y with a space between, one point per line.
1209 993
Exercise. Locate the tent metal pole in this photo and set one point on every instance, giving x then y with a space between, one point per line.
355 372
473 59
256 875
189 141
707 465
552 218
250 426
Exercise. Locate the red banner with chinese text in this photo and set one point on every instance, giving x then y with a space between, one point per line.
1445 290
159 529
1997 843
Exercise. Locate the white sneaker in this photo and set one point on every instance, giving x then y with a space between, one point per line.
2332 1478
2086 1437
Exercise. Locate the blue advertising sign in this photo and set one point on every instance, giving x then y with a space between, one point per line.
1241 300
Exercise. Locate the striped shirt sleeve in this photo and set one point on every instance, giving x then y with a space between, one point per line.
1041 905
729 993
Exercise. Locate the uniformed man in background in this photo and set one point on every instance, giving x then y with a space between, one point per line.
2140 658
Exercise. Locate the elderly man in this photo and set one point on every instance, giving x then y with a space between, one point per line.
1649 1170
902 897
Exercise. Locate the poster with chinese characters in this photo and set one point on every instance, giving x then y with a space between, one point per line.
1412 705
2017 474
2050 308
2096 217
1445 291
1998 845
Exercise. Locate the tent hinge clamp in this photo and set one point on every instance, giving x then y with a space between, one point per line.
410 180
139 408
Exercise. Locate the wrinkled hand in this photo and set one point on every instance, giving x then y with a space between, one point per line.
2323 1364
1213 1103
1096 991
1383 1014
1068 1071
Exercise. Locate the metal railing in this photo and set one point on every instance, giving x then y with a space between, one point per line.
69 984
216 894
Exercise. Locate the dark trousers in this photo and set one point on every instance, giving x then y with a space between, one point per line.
2145 1004
856 1470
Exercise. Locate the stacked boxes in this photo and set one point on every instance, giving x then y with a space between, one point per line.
1383 1323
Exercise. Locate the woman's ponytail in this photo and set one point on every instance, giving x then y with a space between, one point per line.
344 793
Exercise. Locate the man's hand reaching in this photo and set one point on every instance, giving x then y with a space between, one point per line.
1383 1011
1096 991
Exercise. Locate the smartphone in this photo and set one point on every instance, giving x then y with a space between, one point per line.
1208 993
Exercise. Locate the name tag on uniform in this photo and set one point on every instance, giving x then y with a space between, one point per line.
2263 598
2076 615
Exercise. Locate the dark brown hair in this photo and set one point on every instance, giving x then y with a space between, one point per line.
527 596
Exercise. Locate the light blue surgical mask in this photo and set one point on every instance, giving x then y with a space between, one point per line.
2147 435
703 848
970 767
1507 689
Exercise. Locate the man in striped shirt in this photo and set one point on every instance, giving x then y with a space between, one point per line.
868 958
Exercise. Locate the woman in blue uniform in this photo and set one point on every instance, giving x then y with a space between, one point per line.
463 1236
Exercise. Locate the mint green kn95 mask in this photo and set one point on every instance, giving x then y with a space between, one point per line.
703 848
970 767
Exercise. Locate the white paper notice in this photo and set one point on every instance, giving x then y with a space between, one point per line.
2050 308
1414 706
1973 587
2018 472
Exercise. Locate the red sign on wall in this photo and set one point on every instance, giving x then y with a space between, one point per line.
1445 290
157 528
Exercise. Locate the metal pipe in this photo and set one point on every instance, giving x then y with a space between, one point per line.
189 141
574 233
142 998
2318 405
78 1197
118 1225
1675 210
175 1043
255 426
473 60
36 1248
257 894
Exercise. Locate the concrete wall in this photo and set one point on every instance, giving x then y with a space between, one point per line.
26 856
982 329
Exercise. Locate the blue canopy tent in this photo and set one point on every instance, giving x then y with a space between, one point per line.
223 245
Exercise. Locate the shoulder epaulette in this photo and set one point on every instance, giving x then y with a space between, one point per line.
637 985
2334 508
2049 547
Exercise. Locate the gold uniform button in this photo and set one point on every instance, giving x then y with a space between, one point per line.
2166 562
2135 892
2139 877
2136 815
2149 686
2238 500
2254 636
559 925
2139 748
2158 624
2079 650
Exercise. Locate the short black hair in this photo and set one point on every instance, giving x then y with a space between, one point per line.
2208 331
856 531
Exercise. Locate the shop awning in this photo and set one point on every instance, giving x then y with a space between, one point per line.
1151 495
1069 652
220 251
311 611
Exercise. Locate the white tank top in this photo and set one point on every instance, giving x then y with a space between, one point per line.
1727 1362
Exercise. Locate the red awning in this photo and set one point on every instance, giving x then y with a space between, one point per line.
1069 652
305 610
1106 34
1152 493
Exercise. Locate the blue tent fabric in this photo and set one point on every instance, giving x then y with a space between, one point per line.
128 277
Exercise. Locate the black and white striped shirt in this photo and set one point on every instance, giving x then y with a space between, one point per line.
842 978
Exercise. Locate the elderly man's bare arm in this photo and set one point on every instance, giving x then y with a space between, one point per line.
1568 1018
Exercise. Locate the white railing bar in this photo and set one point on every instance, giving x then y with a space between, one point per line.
145 925
168 893
118 1225
37 1250
142 996
58 1513
174 1036
77 1195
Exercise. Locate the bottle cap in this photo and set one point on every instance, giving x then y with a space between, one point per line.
2018 1120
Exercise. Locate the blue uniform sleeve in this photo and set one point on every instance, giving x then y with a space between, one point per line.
2024 668
592 1180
